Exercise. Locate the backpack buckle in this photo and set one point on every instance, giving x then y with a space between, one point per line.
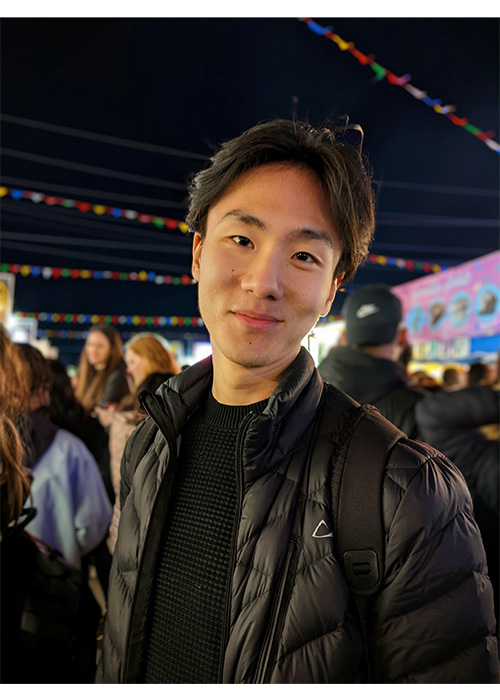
361 570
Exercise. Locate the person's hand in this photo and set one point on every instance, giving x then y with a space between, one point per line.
106 414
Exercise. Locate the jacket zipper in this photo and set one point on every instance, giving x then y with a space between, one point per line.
239 485
164 428
277 618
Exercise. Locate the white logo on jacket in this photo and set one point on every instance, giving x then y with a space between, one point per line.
319 526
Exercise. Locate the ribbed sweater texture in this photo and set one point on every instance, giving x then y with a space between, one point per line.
191 587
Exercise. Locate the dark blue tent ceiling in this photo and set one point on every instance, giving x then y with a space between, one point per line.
188 84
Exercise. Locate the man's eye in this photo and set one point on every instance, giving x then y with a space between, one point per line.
304 257
242 240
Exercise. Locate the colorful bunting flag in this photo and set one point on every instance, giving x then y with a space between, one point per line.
403 81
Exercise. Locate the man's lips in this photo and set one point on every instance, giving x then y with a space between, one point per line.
252 319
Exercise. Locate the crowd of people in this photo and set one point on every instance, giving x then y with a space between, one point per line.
211 501
61 445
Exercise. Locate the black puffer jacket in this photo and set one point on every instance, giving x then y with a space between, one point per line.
450 422
290 613
379 382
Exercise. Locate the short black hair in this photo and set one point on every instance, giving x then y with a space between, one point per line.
478 372
338 164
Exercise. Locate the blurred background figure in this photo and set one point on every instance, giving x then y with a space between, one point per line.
73 508
102 373
464 425
453 380
479 374
49 618
124 423
425 381
65 412
368 367
145 354
149 363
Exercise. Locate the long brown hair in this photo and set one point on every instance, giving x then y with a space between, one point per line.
14 379
157 356
14 399
91 382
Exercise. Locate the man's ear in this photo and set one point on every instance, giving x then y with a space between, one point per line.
337 281
195 267
402 337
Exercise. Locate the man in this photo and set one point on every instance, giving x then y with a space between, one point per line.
453 380
367 367
478 375
225 569
464 425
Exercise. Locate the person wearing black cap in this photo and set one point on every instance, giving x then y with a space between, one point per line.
367 367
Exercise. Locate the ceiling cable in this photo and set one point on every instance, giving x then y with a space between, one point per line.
91 243
103 138
92 169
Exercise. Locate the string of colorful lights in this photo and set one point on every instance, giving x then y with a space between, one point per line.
73 273
115 320
404 82
99 209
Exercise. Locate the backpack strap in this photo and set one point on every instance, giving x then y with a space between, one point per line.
360 528
357 506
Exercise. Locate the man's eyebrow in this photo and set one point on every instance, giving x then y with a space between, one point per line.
245 218
312 235
296 234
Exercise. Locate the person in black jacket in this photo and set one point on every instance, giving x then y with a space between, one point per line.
460 425
226 568
368 367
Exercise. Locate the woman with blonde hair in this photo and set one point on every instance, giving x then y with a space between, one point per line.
145 354
102 373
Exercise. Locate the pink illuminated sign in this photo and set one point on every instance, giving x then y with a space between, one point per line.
462 302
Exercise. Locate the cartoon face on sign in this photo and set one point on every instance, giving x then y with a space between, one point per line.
459 309
487 302
437 311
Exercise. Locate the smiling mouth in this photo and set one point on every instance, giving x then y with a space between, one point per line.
256 321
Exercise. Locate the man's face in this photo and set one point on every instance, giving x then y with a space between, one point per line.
265 267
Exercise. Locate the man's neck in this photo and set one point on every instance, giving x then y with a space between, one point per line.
234 385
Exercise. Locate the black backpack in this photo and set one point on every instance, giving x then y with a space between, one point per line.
357 509
49 615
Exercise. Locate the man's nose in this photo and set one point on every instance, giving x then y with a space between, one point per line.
264 276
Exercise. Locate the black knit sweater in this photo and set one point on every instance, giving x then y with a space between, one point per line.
187 608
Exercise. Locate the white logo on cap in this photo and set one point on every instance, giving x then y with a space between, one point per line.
367 310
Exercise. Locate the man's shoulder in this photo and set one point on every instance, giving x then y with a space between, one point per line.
405 458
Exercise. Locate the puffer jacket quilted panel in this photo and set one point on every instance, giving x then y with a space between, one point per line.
291 613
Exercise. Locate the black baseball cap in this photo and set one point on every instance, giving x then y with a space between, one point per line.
372 315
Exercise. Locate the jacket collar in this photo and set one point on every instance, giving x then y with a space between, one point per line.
268 436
